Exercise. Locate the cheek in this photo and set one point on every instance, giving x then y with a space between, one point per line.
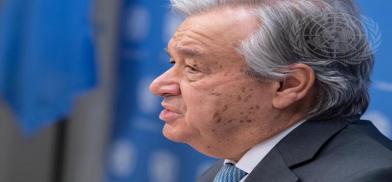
204 107
222 108
200 106
235 111
212 111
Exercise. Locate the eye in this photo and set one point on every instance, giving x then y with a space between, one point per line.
190 69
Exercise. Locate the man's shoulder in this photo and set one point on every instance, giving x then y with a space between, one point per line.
359 142
359 151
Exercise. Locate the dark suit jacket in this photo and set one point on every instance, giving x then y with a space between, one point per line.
343 150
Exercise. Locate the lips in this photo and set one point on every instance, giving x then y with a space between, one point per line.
169 114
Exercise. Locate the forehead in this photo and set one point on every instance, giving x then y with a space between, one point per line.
218 30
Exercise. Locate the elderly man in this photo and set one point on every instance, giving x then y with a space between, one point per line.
276 89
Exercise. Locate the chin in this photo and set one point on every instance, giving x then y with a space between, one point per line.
174 135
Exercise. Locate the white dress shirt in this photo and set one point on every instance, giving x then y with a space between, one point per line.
257 153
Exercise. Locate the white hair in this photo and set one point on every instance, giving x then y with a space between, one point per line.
341 82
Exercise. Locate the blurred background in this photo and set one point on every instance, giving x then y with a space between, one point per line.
74 100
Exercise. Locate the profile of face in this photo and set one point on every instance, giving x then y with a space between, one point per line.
209 101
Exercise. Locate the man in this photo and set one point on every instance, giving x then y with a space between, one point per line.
276 89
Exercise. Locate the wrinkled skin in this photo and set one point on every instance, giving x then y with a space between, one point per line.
209 101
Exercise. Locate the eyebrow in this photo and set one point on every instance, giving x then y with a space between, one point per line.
186 51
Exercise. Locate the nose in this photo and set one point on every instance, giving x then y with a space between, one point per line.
165 84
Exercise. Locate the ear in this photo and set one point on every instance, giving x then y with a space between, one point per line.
295 86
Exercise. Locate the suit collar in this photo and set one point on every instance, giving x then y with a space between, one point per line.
301 145
304 142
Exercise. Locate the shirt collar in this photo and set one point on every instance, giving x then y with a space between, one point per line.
257 153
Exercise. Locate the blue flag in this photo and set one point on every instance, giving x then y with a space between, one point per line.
138 150
46 58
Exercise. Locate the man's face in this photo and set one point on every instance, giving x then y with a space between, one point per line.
209 101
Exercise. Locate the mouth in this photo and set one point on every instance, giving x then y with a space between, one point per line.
169 114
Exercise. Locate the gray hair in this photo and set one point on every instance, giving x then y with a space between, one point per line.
341 81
